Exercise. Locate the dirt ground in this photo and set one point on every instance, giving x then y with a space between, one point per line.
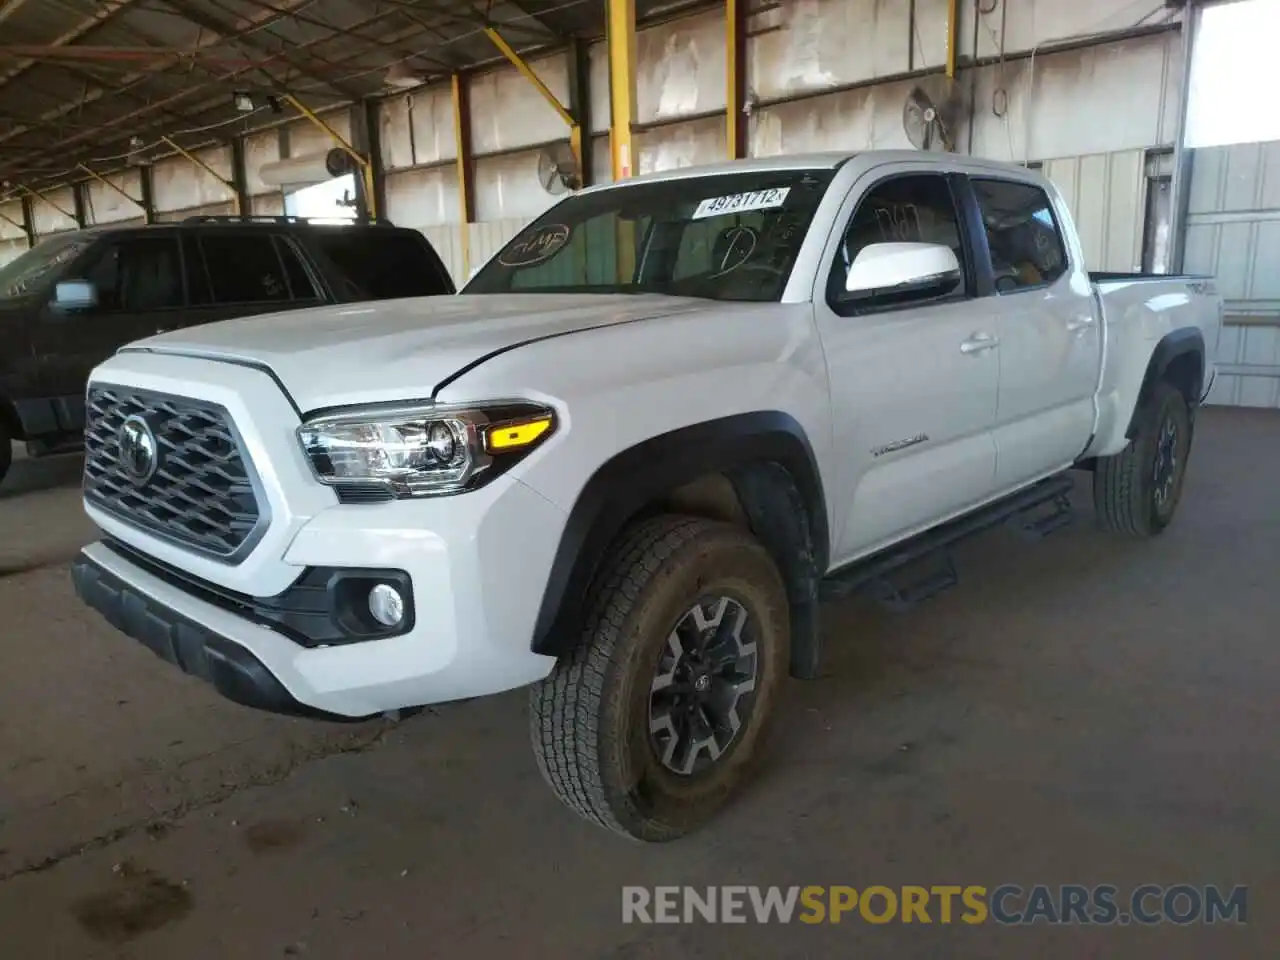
1083 710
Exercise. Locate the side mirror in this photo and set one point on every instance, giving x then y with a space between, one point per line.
902 271
75 295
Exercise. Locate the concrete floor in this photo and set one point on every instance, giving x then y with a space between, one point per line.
1084 710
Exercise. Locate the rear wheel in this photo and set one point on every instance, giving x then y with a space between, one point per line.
658 716
1137 491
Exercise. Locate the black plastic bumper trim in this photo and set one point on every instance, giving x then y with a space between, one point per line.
313 611
232 670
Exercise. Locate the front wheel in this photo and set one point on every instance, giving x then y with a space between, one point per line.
6 452
658 716
1136 492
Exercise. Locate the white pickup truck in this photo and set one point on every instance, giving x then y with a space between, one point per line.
628 460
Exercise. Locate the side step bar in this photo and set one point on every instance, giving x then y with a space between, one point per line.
871 575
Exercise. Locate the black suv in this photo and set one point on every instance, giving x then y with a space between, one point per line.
69 303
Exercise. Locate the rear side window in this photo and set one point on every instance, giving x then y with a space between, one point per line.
244 268
1025 240
300 285
381 264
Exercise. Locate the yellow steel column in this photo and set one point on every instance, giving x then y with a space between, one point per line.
953 36
462 144
622 115
735 45
622 85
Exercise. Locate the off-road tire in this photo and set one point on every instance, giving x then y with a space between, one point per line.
1124 486
590 718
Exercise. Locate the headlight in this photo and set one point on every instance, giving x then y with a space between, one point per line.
423 451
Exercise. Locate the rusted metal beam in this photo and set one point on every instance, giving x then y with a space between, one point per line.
205 21
104 11
8 9
128 82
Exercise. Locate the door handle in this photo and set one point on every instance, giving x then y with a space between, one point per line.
979 342
1080 323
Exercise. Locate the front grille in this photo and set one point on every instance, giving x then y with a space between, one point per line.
201 493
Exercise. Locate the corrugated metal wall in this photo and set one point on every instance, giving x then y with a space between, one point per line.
1106 193
1061 108
1233 232
13 237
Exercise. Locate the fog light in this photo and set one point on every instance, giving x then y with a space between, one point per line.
386 605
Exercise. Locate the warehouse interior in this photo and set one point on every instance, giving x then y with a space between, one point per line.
466 119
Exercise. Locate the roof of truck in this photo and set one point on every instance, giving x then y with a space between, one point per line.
827 160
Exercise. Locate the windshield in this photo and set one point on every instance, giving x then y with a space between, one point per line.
723 237
25 275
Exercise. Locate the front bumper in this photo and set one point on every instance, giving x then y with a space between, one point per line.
235 672
478 564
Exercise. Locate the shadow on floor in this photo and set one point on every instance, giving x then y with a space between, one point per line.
45 473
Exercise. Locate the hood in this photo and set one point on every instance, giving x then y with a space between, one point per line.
400 349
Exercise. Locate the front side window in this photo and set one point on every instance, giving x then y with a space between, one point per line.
244 268
137 274
909 209
1025 242
31 272
720 237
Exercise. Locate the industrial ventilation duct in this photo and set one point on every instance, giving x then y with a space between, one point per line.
304 171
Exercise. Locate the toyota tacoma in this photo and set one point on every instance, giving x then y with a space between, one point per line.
624 465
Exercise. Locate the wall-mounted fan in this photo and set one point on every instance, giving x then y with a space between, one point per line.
931 115
558 170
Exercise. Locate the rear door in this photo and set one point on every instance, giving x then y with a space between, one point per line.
1050 339
237 273
913 399
139 282
378 263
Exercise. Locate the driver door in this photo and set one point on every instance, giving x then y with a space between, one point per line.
913 380
138 280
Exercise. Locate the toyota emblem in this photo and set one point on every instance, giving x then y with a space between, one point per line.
139 452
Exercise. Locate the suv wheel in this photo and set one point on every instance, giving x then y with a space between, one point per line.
659 715
6 452
1136 492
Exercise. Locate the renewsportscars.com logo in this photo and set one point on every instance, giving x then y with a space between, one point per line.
1008 905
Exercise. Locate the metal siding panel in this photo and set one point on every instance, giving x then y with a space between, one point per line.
507 187
687 144
1106 195
423 198
680 68
11 249
306 139
267 204
431 118
507 111
1265 261
46 219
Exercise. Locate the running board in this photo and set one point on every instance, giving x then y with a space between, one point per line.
871 576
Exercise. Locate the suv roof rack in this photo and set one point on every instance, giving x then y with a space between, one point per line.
266 218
